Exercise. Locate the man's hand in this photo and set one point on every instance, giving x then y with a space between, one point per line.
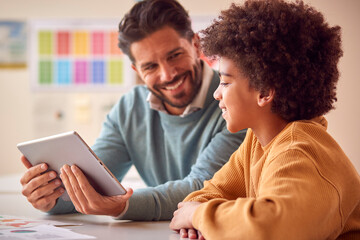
39 187
182 220
85 198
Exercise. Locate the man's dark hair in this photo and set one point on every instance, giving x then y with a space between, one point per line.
283 46
148 16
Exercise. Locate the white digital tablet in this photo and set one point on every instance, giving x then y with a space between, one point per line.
69 148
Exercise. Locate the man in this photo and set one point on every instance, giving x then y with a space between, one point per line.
171 130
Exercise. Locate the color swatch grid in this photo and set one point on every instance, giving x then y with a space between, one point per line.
78 58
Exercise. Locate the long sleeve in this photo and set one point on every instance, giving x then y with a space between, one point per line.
234 177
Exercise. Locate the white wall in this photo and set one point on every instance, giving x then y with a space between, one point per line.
19 105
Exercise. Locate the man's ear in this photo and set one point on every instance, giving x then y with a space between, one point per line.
138 77
264 98
196 43
133 67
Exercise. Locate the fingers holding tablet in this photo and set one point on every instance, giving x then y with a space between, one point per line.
73 189
41 188
26 162
86 199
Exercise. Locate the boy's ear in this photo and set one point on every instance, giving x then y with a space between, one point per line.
264 98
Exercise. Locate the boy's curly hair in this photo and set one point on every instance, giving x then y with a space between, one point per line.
285 46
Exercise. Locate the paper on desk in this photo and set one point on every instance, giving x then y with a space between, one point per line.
48 232
14 222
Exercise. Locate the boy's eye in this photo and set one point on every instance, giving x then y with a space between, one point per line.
223 83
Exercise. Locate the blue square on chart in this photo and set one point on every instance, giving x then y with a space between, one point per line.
63 72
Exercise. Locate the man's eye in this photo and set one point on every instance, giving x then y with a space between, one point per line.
175 55
223 83
149 67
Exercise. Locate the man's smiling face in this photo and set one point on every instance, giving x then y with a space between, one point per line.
170 67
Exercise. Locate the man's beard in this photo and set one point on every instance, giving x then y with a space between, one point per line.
195 82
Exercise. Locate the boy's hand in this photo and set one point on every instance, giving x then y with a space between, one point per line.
182 220
191 234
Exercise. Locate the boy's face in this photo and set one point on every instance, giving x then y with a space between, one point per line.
238 101
170 67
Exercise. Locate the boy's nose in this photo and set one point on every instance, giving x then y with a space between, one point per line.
217 93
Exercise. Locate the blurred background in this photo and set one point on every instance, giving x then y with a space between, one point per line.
30 109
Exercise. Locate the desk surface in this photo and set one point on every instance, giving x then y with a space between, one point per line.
102 227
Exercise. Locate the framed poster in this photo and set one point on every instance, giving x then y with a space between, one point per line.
13 44
77 55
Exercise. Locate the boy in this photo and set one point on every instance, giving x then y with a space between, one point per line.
289 179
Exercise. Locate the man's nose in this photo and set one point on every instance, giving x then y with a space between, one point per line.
167 73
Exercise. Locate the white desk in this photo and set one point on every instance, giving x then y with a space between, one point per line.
102 227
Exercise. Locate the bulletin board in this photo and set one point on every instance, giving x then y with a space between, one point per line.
77 55
82 55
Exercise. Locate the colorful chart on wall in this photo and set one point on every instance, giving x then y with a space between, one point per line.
82 54
77 54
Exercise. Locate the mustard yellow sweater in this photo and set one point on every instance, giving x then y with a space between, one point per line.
300 186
